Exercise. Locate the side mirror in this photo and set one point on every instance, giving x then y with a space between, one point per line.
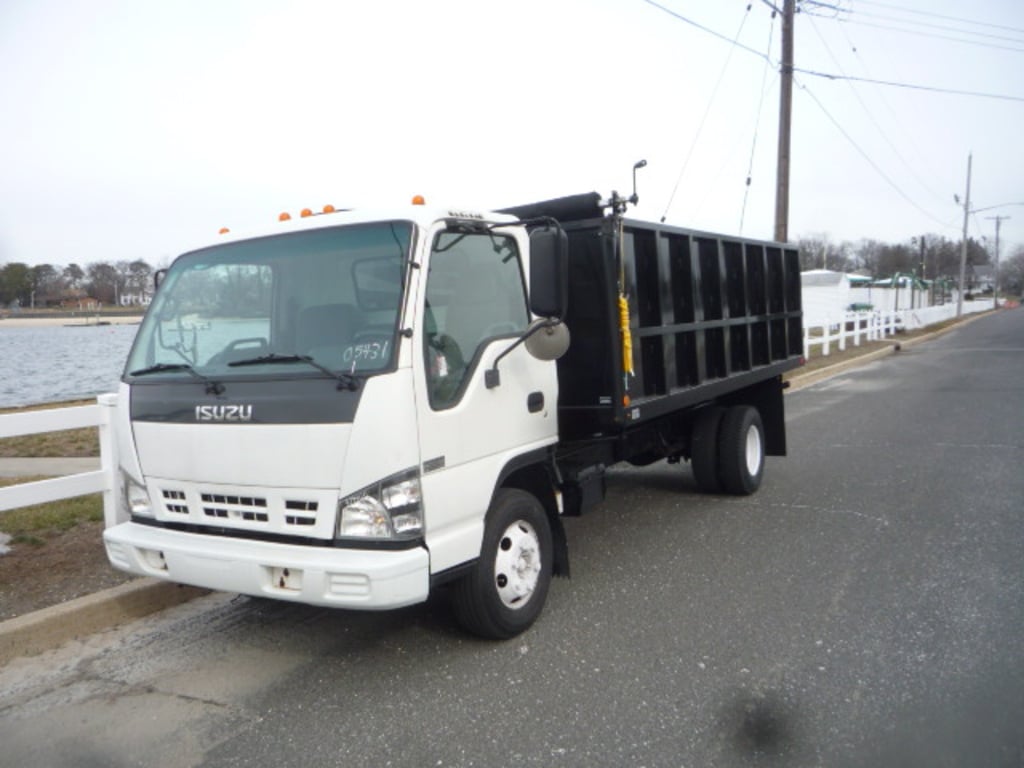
547 340
549 271
158 277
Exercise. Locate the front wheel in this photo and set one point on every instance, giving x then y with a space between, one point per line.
504 593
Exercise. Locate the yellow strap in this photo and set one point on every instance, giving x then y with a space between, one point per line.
627 337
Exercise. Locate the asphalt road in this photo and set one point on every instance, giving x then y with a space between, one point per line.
865 608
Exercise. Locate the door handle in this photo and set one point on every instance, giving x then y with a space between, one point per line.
535 402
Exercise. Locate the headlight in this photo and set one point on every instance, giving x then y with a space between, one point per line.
390 509
135 497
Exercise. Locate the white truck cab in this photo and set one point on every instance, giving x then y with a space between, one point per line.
314 413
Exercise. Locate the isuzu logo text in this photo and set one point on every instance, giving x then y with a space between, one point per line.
223 413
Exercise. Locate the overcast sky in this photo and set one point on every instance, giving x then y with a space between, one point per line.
136 128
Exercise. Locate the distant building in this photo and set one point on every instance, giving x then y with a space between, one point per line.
132 299
825 295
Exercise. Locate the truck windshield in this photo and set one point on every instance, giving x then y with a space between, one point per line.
330 295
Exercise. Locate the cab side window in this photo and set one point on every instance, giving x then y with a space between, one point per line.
475 294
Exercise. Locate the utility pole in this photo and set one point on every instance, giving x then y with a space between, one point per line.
785 121
963 245
995 282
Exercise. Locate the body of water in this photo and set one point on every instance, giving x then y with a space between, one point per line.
45 364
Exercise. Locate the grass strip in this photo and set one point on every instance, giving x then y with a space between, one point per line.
51 445
34 525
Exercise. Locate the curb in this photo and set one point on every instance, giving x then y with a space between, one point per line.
803 380
45 629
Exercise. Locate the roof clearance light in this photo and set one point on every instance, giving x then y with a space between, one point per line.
418 200
306 212
328 208
224 231
285 216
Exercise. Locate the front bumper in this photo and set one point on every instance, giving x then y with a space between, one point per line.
367 579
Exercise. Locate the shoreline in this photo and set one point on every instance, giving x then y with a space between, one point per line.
84 321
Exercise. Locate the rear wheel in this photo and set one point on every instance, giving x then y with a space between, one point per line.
506 590
741 450
704 449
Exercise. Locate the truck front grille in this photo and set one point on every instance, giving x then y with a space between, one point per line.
267 511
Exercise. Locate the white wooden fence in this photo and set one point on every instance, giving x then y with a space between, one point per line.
876 325
855 326
101 480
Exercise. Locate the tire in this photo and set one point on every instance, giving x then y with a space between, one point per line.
741 450
704 449
505 592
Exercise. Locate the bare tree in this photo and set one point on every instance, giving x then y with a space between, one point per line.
102 281
73 276
47 284
819 252
1011 273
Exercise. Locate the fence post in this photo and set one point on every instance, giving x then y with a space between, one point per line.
842 331
108 456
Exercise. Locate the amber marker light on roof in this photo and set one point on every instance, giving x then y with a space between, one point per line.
306 212
328 208
284 216
223 231
418 200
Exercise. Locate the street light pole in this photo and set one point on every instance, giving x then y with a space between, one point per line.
963 245
995 280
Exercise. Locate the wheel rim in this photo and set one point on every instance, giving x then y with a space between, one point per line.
517 564
753 451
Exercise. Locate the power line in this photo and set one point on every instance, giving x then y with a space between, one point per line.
829 76
867 111
880 94
710 31
911 86
901 9
757 125
707 111
943 27
923 34
869 160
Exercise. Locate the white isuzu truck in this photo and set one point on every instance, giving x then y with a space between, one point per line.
357 408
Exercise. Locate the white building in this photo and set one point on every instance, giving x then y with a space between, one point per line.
825 295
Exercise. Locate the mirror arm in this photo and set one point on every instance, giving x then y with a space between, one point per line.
492 377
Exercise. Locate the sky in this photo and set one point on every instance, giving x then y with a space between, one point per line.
133 129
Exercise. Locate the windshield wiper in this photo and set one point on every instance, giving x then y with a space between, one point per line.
345 380
212 387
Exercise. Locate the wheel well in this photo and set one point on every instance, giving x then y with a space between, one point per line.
767 398
537 480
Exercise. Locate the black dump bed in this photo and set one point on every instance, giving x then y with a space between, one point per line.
707 315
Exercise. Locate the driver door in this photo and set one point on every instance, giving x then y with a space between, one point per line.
474 309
